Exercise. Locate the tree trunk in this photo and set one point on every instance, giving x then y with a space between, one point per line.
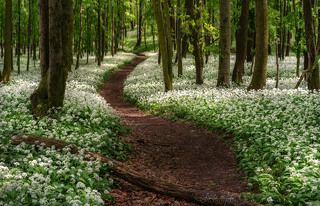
55 48
139 31
179 39
298 32
224 44
19 36
80 36
186 36
7 66
39 98
277 66
260 69
161 11
251 36
153 38
197 38
241 41
88 34
112 29
98 41
313 77
29 33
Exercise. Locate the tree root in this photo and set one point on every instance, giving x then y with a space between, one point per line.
152 184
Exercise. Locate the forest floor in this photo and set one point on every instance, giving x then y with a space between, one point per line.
174 151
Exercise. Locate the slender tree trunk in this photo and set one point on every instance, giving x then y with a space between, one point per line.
197 39
298 32
277 66
241 41
112 30
260 69
88 34
80 36
186 36
103 33
225 44
153 38
29 33
313 77
161 11
98 41
19 36
288 48
7 66
139 37
251 36
179 39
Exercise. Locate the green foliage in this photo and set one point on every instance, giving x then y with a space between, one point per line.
31 175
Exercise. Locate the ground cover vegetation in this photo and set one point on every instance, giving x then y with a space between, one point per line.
247 67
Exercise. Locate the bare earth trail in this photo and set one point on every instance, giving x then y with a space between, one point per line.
176 152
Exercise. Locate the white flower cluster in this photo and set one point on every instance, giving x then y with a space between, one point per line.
277 133
31 175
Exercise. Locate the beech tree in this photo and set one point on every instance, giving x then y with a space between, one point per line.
161 11
197 37
312 68
259 77
241 43
225 44
7 66
56 54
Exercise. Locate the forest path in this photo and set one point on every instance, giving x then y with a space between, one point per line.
176 152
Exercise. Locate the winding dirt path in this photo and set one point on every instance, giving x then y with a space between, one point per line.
176 152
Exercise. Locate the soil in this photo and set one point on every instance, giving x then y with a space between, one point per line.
177 152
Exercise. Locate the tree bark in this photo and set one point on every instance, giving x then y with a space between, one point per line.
161 11
19 36
251 36
313 77
241 41
29 33
139 31
197 38
186 36
224 44
56 52
260 69
98 41
179 39
39 98
7 66
79 37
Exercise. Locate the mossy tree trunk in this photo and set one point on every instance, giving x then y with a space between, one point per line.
259 77
224 44
56 53
241 43
161 10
